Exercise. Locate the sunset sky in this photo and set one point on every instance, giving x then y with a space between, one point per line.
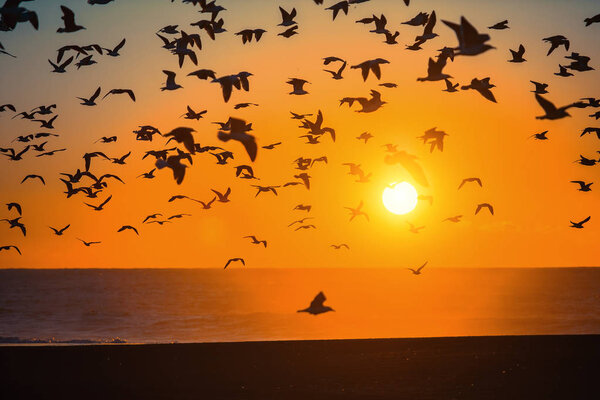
527 181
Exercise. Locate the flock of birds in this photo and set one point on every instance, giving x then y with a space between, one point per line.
180 156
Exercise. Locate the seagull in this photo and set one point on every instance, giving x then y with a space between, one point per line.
174 163
337 74
337 7
115 51
151 216
428 30
339 246
92 99
14 156
179 216
483 86
456 218
357 211
550 109
238 131
14 223
563 72
300 221
305 227
47 124
484 205
500 25
434 71
540 136
256 241
16 206
69 21
517 56
470 42
233 260
316 306
583 187
288 33
183 135
121 160
303 207
223 198
467 180
592 20
298 85
3 107
101 206
299 116
170 84
540 88
579 225
372 66
247 34
126 227
59 232
271 146
9 247
591 130
419 20
203 74
364 136
121 91
555 41
206 206
31 176
87 244
418 270
105 139
287 17
265 189
414 229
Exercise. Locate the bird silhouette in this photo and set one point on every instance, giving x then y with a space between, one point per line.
15 223
234 260
337 7
470 42
583 187
256 241
455 218
540 135
69 21
92 100
223 198
373 66
579 225
468 180
238 131
32 176
339 246
128 227
316 306
114 52
418 270
540 88
87 244
10 247
101 206
59 232
555 42
500 25
16 206
298 85
355 212
482 86
517 56
414 229
129 92
484 205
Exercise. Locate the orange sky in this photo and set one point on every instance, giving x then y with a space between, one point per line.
527 181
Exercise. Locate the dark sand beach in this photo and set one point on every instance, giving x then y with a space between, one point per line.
509 367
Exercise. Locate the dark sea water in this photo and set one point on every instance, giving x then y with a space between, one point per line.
182 305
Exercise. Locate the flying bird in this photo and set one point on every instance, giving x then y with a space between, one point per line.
10 247
59 232
579 225
129 92
69 21
484 205
128 227
316 305
256 241
234 260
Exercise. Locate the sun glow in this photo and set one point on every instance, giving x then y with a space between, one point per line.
400 198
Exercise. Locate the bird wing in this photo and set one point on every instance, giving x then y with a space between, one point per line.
318 300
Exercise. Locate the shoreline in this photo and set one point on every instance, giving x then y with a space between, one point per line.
482 367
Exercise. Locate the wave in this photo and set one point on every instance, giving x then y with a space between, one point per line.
18 340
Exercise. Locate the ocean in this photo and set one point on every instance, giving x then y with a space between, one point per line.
238 304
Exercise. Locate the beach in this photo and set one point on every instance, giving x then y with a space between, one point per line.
493 367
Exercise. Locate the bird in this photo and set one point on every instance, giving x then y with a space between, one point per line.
183 135
87 244
590 129
206 206
107 139
540 88
32 176
271 146
151 216
484 205
59 232
234 260
92 100
223 198
15 223
483 86
339 246
14 156
434 71
288 33
540 136
373 66
69 21
129 92
179 216
500 25
592 20
265 189
418 20
517 56
48 124
114 52
563 72
299 116
583 187
11 107
337 75
470 42
316 306
174 163
10 247
418 270
364 136
551 111
238 131
256 241
303 207
128 227
203 74
428 29
305 227
101 206
555 42
467 180
298 85
337 7
579 225
16 206
299 221
170 83
120 160
456 218
355 212
414 229
450 87
287 17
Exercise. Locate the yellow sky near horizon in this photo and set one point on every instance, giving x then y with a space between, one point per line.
527 181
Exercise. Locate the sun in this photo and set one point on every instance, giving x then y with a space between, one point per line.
400 198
